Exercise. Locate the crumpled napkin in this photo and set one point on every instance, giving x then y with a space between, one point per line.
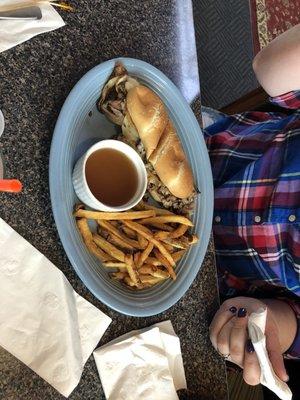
145 364
43 321
14 32
268 378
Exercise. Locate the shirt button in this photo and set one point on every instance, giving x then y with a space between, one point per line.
292 218
257 218
217 219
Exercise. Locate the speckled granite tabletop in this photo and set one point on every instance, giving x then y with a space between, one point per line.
35 79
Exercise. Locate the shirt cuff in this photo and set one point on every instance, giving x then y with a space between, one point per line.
289 100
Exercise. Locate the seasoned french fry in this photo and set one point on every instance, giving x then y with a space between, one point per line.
163 219
149 236
129 232
142 241
179 231
144 255
110 228
159 211
131 269
178 255
109 248
88 240
128 215
154 271
114 264
165 263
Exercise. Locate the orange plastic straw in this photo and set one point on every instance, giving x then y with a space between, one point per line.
10 185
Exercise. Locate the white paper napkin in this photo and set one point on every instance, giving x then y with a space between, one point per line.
14 32
268 378
43 321
145 364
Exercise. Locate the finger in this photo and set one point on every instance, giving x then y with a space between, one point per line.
223 338
251 371
238 337
220 319
276 358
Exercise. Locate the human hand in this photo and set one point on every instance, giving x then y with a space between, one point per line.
229 335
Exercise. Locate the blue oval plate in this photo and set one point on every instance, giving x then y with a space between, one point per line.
79 126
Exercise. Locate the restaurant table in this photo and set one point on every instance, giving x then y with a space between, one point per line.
35 79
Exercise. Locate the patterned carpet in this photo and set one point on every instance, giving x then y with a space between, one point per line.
225 50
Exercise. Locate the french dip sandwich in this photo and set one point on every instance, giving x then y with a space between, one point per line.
147 127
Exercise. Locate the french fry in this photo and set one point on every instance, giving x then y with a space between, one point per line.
160 235
109 248
169 247
89 242
158 211
142 241
141 256
166 219
178 255
119 275
136 257
144 255
129 232
193 239
114 223
110 228
179 231
153 261
131 269
130 215
150 279
78 206
114 264
149 236
165 263
129 281
162 227
115 240
154 271
180 243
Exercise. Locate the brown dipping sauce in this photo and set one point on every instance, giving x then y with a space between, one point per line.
111 177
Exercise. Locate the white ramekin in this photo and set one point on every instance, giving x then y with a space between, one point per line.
82 189
1 123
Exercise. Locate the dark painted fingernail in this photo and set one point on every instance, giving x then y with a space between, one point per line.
242 312
233 309
249 346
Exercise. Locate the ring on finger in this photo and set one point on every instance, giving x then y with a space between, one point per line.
225 356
